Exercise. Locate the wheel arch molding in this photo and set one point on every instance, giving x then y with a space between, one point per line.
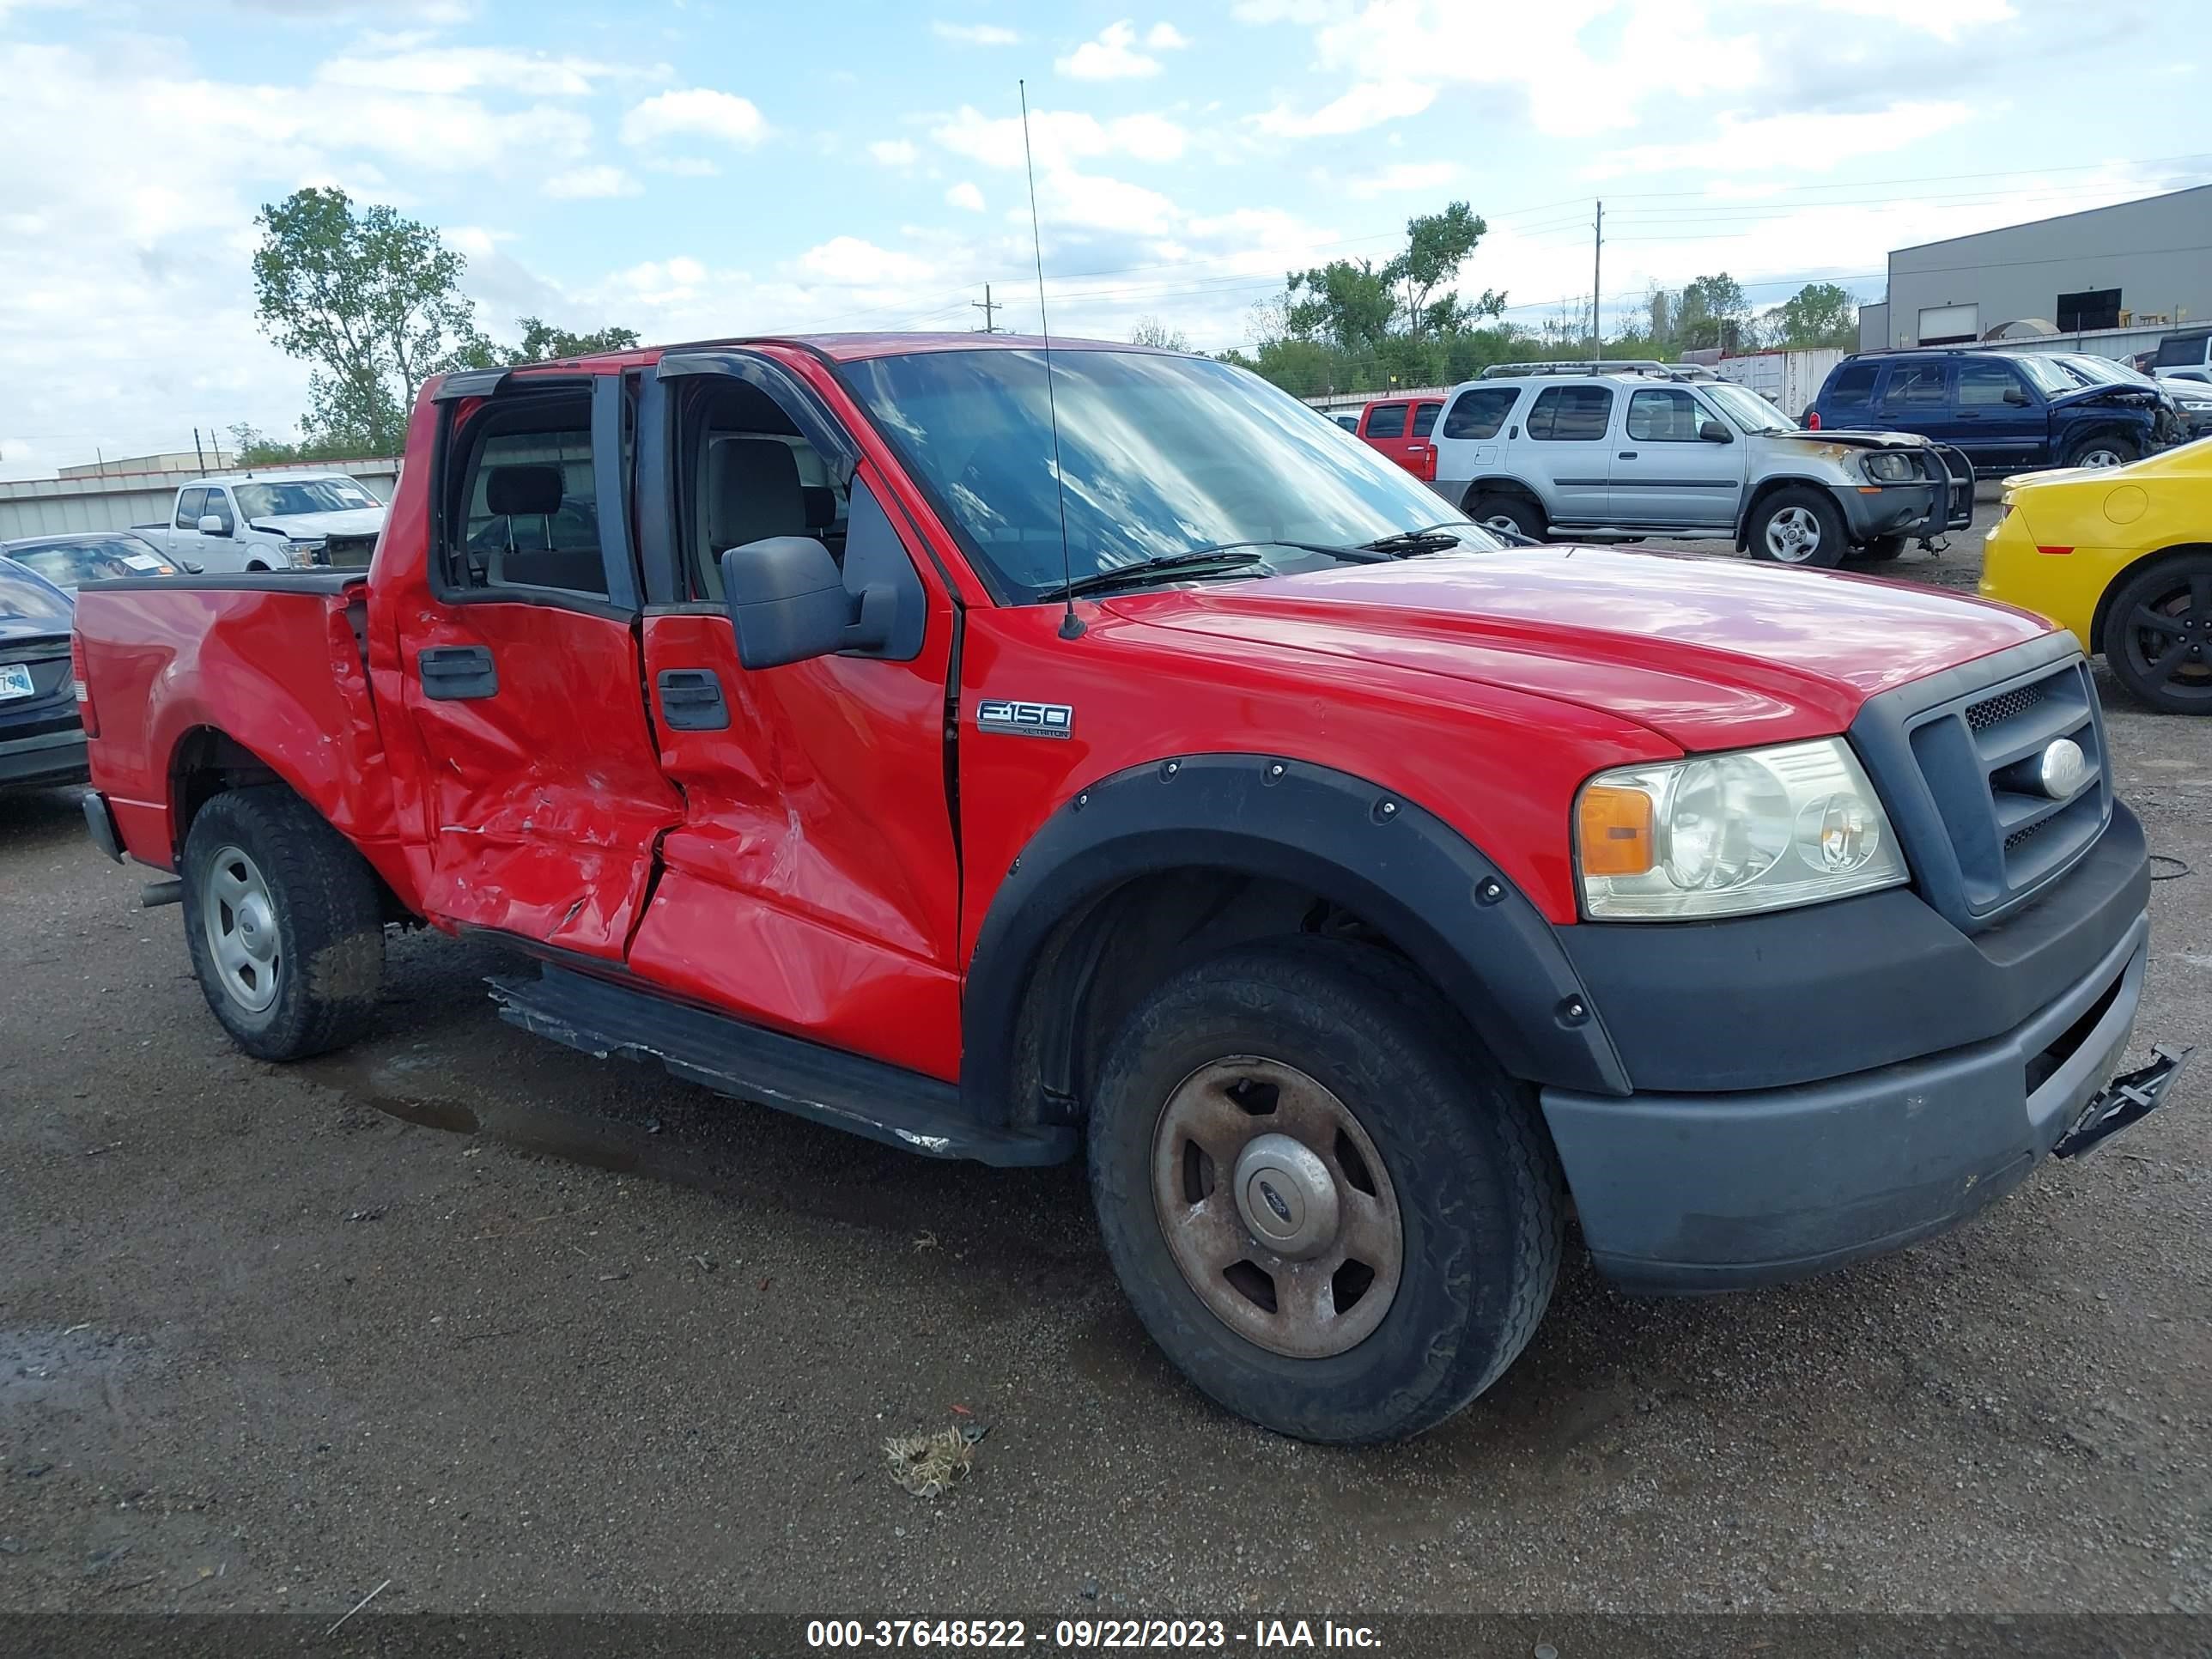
1368 850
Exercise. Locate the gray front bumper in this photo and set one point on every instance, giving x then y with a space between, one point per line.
1690 1193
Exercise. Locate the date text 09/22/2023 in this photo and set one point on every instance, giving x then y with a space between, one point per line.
1261 1636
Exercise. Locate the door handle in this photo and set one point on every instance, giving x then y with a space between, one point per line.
1970 414
691 700
1627 454
456 673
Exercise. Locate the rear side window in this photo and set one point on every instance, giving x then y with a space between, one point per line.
1852 386
1570 414
1386 421
1480 411
526 514
1914 389
1424 419
188 508
2184 352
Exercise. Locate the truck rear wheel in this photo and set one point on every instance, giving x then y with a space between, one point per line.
285 924
1330 1209
1502 510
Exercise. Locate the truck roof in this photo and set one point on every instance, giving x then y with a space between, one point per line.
854 347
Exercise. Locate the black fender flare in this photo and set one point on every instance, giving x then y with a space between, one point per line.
1385 858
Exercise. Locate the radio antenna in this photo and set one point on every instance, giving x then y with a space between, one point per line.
1070 625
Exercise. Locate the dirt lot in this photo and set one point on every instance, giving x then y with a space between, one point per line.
504 1327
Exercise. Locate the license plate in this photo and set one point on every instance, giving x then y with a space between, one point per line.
15 681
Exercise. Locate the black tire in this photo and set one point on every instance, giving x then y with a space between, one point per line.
1521 515
1471 1166
1800 518
320 900
1880 550
2166 664
2094 452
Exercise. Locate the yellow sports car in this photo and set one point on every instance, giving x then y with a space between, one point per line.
2123 555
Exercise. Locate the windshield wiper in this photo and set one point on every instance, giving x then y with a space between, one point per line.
1200 560
1407 543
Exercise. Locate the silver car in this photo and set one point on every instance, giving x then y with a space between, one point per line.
1622 450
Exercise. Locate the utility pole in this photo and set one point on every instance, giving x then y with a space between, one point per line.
198 450
1598 291
985 306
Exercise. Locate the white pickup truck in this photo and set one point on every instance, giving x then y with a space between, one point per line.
284 521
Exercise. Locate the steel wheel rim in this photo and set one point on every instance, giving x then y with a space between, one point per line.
238 917
2169 638
2102 458
1504 521
1318 1270
1793 535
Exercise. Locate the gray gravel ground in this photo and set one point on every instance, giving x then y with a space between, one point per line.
513 1329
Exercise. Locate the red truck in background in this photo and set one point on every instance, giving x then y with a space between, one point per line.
1002 754
1400 427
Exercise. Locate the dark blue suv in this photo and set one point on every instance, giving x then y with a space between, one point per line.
42 741
2009 412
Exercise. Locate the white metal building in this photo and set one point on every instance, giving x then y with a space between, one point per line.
111 499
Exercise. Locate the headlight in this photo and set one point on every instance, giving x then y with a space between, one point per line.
1724 835
1888 465
301 553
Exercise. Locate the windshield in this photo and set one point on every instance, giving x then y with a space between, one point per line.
72 564
1159 455
2048 375
2100 371
1750 411
24 597
282 500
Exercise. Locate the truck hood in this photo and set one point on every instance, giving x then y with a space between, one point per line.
1711 652
351 521
1827 437
2120 396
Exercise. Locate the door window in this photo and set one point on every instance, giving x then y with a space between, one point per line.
524 512
1914 389
1984 385
1386 421
1424 419
1664 415
1570 414
1479 411
749 475
218 505
188 508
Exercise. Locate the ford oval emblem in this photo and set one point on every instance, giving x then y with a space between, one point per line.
1275 1203
2062 769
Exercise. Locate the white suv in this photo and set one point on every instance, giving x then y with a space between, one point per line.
1615 450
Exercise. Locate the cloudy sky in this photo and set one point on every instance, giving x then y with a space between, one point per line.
693 168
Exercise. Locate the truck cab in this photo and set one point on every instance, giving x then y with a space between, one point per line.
1001 753
283 520
1399 427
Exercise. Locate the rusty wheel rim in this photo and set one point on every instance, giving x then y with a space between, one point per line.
1275 1204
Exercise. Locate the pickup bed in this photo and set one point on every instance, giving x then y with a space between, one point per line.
1005 756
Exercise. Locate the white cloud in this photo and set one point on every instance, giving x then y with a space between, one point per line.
1096 203
580 184
1112 57
1812 141
1166 37
851 262
894 152
965 194
695 111
1368 104
687 166
974 34
1946 22
1060 137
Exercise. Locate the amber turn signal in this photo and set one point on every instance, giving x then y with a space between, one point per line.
1615 831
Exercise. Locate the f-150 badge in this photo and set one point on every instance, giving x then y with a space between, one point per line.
1025 719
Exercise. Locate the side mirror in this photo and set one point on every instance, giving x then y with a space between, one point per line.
1714 433
2015 397
211 525
789 604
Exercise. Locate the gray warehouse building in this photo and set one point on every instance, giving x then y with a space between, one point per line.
2136 265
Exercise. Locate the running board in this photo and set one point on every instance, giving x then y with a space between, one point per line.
846 1092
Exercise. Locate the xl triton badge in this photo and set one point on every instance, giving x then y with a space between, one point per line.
1025 719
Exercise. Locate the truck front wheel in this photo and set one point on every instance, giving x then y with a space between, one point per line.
285 924
1334 1214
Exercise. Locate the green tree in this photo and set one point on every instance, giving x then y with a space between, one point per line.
1345 303
1817 314
1151 331
542 342
1711 312
1437 245
371 300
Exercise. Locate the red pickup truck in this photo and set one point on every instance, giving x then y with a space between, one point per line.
1003 754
